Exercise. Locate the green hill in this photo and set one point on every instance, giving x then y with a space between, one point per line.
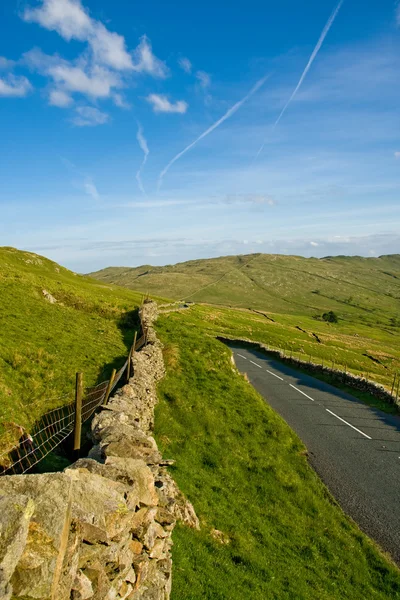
280 300
43 344
366 289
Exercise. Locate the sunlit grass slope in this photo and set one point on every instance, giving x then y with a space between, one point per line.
43 345
366 290
269 529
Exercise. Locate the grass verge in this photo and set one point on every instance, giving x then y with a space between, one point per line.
270 529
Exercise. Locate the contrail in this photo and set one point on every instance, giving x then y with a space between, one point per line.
226 116
143 144
310 62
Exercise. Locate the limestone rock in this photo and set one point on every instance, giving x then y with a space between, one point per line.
15 514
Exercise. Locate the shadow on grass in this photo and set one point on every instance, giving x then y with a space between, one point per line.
63 455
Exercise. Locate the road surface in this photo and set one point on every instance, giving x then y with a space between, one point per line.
353 447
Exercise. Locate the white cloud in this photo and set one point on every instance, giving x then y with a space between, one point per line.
67 17
144 147
185 65
314 244
204 79
120 101
397 154
94 81
60 99
5 63
109 48
89 117
147 62
91 189
98 83
71 21
14 86
161 103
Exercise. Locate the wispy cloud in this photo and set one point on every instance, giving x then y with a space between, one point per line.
226 116
161 104
322 37
147 62
204 79
14 86
91 189
185 64
255 199
143 145
60 99
5 63
88 116
397 155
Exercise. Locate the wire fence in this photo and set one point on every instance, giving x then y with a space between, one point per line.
54 427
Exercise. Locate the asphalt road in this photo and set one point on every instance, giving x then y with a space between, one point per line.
354 448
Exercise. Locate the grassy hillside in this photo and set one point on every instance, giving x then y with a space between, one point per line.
43 345
363 289
269 529
280 300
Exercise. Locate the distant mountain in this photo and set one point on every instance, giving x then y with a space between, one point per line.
368 288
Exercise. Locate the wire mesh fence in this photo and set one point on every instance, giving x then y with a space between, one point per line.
55 426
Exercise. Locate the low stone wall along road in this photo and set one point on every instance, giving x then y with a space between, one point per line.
353 447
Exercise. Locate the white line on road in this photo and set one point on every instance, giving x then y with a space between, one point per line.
274 374
241 356
349 424
297 390
256 364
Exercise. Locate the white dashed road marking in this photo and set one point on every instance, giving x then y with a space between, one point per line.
274 374
349 424
241 356
297 390
256 364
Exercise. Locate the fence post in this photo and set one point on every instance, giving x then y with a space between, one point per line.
128 366
397 391
108 391
394 381
134 342
78 410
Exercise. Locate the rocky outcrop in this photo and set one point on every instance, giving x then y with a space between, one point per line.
102 529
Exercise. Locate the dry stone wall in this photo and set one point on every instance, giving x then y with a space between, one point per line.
353 381
101 530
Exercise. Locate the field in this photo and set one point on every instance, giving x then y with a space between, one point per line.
43 345
269 529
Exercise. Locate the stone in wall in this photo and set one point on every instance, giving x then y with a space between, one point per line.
101 530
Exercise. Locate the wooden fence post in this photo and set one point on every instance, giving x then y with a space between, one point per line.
78 410
394 381
134 342
110 383
128 366
397 391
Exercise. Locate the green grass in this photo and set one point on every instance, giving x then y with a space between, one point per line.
247 475
344 343
43 345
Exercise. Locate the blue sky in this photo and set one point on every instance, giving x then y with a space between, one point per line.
152 133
